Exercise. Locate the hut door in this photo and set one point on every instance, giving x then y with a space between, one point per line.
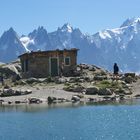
54 66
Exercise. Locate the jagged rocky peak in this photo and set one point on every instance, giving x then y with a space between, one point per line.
38 32
11 30
66 28
130 22
77 30
9 34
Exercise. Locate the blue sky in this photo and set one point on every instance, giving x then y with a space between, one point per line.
88 15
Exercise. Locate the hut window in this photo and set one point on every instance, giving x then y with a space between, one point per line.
67 61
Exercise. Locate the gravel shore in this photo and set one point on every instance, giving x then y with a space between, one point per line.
56 90
41 92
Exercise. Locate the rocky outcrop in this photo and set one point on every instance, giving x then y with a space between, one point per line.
74 88
129 78
11 70
12 92
94 85
100 77
32 80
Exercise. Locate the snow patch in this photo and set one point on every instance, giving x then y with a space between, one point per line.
104 35
67 28
26 41
116 31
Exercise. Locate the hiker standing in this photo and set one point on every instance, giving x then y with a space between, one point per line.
116 70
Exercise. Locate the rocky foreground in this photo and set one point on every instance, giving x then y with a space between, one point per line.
89 84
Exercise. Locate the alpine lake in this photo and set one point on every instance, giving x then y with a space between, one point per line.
73 121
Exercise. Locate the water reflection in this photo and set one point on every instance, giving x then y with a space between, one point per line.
43 107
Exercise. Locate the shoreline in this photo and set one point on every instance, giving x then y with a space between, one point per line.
92 85
40 95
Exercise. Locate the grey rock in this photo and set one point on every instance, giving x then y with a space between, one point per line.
17 102
137 96
100 77
92 90
7 92
34 100
75 98
51 99
107 98
91 99
74 88
105 91
92 68
130 74
10 102
60 80
128 79
74 79
128 92
33 80
11 70
11 92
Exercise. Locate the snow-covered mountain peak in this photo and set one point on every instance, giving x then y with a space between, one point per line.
66 28
127 30
105 34
121 45
131 22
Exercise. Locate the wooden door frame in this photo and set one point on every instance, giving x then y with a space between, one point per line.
50 65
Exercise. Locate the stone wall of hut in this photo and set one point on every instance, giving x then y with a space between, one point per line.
38 63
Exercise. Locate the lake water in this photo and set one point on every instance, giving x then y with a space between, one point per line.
71 122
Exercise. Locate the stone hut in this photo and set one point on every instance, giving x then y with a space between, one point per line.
49 63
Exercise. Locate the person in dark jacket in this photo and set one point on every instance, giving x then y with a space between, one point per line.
116 70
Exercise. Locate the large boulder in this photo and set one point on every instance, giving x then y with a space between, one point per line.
74 79
75 98
13 92
129 79
11 69
128 92
92 90
34 100
100 77
60 80
7 92
105 91
133 75
92 68
74 88
33 80
51 99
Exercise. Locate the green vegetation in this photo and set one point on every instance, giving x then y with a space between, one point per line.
109 84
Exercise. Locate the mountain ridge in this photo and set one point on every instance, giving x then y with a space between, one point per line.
103 48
